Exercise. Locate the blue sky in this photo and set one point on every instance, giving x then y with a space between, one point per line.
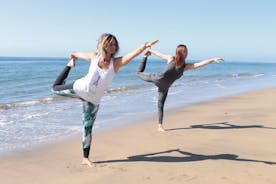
233 29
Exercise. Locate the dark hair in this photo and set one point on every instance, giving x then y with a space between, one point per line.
180 55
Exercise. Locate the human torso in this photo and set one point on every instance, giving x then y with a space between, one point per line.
169 75
92 86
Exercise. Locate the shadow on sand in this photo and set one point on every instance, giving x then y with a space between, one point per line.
186 157
223 125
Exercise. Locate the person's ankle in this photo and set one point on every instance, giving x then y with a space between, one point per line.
86 161
160 128
71 63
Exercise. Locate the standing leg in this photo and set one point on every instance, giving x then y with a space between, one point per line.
88 118
162 95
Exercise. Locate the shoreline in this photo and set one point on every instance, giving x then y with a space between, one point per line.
40 117
227 140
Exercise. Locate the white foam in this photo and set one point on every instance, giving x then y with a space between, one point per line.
259 75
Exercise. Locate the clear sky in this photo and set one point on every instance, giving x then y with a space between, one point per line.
233 29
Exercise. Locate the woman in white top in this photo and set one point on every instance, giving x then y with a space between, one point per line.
90 88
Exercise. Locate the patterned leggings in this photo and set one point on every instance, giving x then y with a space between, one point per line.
89 112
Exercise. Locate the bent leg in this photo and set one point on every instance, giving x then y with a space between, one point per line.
60 88
141 69
148 77
142 65
59 84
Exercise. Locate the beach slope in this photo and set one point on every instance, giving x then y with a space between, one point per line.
229 140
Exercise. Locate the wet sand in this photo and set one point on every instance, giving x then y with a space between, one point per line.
229 140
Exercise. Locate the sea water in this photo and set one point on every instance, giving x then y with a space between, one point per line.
31 115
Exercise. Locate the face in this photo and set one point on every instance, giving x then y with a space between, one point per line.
185 52
111 47
182 50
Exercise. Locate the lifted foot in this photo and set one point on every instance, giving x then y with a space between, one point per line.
71 63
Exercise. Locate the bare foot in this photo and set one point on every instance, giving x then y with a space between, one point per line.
86 161
160 128
71 63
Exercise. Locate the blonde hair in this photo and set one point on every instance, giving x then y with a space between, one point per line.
104 42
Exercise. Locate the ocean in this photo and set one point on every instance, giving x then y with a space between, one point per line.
30 115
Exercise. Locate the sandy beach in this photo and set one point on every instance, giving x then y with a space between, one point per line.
229 140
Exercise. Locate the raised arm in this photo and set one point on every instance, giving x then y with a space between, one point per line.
161 55
202 63
122 61
87 56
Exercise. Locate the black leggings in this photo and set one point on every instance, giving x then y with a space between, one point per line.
162 93
59 84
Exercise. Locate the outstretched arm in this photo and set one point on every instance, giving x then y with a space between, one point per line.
202 63
87 56
122 61
161 55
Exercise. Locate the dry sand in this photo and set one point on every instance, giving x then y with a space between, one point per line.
230 140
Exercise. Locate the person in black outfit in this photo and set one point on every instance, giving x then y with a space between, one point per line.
173 71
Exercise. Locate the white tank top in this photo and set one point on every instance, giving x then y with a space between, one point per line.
91 87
